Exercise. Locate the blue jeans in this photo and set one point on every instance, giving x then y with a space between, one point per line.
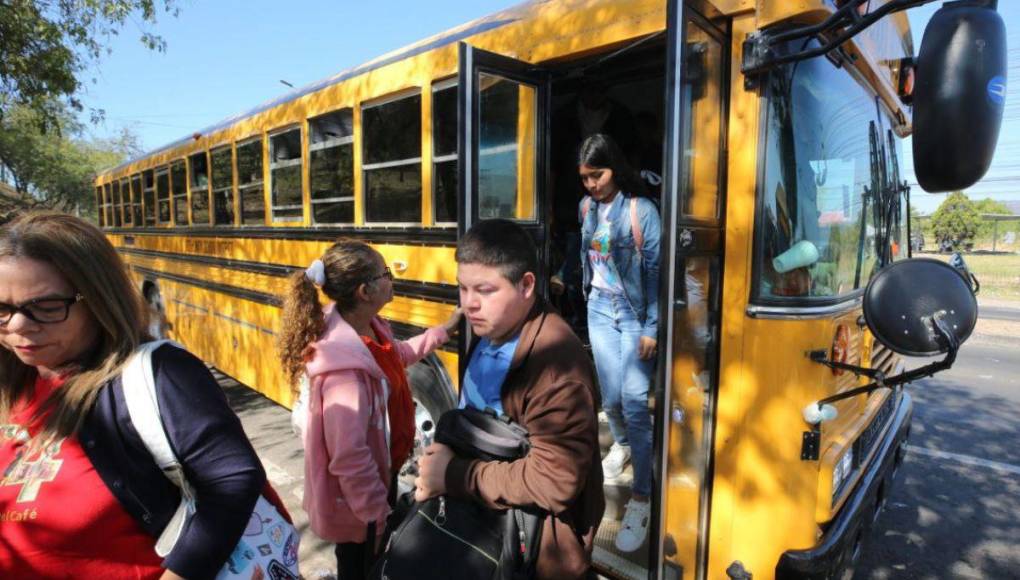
615 331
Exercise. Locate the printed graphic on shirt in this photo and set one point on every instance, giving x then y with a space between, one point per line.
601 260
29 472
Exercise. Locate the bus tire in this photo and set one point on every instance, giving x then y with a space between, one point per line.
156 322
433 395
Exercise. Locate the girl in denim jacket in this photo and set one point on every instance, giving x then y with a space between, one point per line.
620 233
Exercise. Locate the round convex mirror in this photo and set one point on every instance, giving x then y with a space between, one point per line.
902 298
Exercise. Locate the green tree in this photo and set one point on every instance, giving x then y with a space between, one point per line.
45 45
956 221
988 206
53 167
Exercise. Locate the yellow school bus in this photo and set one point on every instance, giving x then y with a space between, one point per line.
770 132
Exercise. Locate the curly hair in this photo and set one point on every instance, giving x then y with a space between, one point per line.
349 264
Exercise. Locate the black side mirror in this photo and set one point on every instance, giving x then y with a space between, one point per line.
920 307
959 95
916 307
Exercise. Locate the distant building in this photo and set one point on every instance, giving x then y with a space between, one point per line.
1014 206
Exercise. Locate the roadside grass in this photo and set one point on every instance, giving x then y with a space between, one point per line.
999 274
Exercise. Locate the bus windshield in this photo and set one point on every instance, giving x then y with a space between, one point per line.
825 155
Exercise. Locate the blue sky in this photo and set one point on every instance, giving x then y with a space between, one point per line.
227 56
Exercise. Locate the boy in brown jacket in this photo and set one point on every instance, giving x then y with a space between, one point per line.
527 363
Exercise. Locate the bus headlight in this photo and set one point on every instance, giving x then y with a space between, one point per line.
841 471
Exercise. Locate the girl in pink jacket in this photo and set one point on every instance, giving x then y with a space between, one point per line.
360 412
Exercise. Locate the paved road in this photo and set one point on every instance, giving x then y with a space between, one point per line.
954 511
999 313
268 426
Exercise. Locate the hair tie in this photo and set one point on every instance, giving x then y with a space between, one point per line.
316 273
651 177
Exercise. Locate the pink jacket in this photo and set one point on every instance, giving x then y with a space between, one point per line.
347 460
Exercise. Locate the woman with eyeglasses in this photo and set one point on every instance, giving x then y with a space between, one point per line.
360 427
80 494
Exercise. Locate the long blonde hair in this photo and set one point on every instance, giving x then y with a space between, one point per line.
349 264
90 264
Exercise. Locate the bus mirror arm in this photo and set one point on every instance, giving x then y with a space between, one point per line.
767 49
945 335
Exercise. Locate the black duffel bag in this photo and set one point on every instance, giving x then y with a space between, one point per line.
446 537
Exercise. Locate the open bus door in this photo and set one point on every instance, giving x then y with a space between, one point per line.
690 290
502 114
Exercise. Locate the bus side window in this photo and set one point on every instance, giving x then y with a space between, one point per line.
136 199
331 159
444 153
249 182
285 175
198 169
221 180
126 197
391 160
179 190
149 197
100 208
163 196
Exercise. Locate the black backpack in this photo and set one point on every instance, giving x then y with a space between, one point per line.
445 537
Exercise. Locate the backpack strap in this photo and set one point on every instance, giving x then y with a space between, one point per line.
139 386
585 208
635 225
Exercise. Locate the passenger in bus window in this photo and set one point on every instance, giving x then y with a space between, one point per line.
360 427
620 233
80 493
525 363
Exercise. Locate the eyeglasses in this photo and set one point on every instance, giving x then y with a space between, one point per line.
41 310
386 274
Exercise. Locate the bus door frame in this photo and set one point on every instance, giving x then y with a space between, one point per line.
683 238
473 62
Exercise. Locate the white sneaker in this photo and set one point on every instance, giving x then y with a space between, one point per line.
634 527
615 461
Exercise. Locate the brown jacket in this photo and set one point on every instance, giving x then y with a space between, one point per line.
549 390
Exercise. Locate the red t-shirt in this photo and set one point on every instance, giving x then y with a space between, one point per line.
57 517
400 405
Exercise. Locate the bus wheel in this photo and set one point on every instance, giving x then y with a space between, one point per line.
431 399
157 321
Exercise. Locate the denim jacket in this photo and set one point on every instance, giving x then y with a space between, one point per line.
639 271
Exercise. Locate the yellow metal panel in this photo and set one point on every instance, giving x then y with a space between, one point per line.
306 175
736 380
424 263
359 178
426 156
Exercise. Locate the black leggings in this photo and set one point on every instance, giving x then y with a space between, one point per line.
353 560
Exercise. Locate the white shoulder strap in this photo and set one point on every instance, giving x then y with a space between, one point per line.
139 385
140 395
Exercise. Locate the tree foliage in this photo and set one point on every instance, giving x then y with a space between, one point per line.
45 45
51 168
956 221
989 206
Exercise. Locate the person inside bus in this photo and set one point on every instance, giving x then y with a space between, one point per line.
360 427
525 362
620 233
80 493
